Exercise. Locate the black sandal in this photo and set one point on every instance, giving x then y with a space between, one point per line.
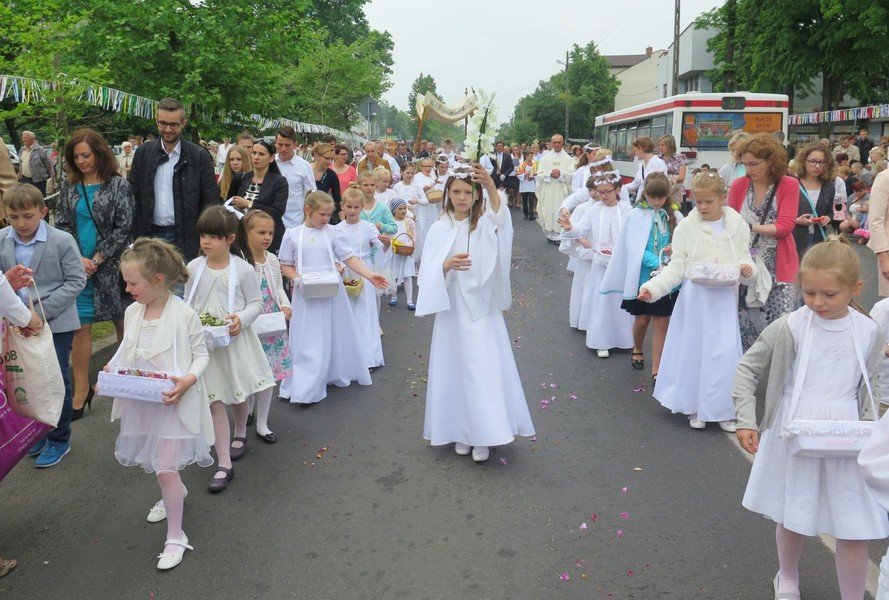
638 364
269 438
217 484
238 453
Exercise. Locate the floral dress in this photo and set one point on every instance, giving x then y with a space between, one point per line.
276 348
783 299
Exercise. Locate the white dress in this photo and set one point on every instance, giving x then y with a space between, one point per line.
240 369
427 212
474 394
365 242
325 345
152 435
814 495
580 268
704 323
402 265
606 324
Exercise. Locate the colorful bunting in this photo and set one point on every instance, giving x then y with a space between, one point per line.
879 111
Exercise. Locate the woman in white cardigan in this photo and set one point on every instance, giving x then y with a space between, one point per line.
703 344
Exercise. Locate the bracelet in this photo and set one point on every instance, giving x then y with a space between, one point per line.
250 204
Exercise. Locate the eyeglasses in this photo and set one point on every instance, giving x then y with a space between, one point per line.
166 125
751 165
816 163
606 192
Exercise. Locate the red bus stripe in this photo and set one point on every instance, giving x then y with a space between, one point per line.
669 106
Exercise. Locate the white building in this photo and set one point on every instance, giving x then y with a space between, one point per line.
639 82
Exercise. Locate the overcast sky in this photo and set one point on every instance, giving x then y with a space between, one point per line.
507 47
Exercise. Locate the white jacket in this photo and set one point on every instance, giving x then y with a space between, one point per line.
695 241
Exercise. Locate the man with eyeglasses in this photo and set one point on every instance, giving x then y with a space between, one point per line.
173 181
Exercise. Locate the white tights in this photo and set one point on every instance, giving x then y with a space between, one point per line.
851 564
223 434
173 492
263 402
408 290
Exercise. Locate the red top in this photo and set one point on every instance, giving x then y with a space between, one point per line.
346 177
787 202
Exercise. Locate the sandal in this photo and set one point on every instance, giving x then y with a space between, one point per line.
637 364
7 566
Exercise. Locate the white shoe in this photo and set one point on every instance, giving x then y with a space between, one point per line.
694 423
462 449
480 453
602 353
728 426
168 561
157 513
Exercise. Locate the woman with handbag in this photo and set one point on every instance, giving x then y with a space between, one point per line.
96 207
768 200
711 254
819 363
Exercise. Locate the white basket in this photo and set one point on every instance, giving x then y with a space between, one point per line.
270 325
319 284
216 336
133 387
827 439
713 274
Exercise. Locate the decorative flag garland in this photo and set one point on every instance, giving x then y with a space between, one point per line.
878 111
27 90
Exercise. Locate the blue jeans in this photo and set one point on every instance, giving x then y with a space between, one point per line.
63 341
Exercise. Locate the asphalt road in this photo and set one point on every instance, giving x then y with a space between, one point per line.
615 498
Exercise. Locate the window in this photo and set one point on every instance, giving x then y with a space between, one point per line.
714 129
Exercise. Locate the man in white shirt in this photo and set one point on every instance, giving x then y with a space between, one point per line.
299 175
222 153
393 164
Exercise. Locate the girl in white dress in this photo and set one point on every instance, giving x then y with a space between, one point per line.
384 194
428 212
579 254
474 396
410 190
223 286
323 334
366 246
820 362
162 333
703 344
256 235
402 265
606 324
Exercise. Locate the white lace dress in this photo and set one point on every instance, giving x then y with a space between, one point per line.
819 495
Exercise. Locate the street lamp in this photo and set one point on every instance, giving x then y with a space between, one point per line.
567 60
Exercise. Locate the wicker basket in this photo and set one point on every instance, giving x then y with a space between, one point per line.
354 290
403 249
435 196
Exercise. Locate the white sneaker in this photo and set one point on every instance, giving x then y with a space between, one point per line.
602 353
728 426
157 513
462 449
694 423
480 453
168 561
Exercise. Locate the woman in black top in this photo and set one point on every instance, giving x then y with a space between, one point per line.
265 188
326 179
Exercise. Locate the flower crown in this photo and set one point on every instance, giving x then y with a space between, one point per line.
461 173
599 163
603 177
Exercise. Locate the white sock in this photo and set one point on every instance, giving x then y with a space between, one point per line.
409 289
263 401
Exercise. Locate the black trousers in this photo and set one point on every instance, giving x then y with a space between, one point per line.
529 204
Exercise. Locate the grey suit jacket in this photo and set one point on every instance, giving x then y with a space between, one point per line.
58 273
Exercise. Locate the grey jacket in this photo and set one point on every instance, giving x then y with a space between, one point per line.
773 355
41 163
58 273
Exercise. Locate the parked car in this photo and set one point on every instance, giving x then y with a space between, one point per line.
16 161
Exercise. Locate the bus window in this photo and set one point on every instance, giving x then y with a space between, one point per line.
658 128
620 146
713 130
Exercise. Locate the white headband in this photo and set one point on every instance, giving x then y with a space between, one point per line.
603 177
599 163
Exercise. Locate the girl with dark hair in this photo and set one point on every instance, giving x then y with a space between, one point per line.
264 189
96 207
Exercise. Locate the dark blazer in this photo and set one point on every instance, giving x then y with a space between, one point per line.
330 183
499 169
113 216
194 189
272 199
823 206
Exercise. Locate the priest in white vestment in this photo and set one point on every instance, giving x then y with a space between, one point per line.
554 172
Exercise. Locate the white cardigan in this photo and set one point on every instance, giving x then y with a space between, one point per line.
694 236
248 300
276 282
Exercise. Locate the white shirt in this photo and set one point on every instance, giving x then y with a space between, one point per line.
222 153
300 181
164 208
393 168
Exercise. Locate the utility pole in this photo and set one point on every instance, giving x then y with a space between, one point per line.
676 51
567 56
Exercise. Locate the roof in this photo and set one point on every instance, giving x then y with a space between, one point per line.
625 61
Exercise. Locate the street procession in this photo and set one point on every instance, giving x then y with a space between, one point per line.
468 318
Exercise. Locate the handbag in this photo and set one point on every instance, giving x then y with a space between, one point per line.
270 324
712 273
317 282
35 388
216 336
823 438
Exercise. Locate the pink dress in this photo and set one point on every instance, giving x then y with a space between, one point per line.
276 348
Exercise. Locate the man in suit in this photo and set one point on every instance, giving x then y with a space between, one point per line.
403 156
503 166
173 181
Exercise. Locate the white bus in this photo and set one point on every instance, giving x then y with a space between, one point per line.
701 123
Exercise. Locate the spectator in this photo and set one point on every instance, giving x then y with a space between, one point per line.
245 140
36 164
858 208
643 148
371 159
238 162
846 147
214 152
264 188
430 150
222 153
173 181
345 172
733 169
326 178
816 172
864 144
841 158
96 207
878 225
705 168
297 171
782 139
125 158
389 162
677 166
402 156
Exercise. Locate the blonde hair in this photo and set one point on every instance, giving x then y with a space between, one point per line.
670 142
737 139
380 172
155 256
320 148
600 154
708 182
318 199
353 192
366 175
225 178
837 256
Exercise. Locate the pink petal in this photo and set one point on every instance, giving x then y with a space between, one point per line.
624 515
565 576
641 388
553 385
631 573
533 438
503 461
578 562
583 526
623 490
573 396
594 518
620 533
